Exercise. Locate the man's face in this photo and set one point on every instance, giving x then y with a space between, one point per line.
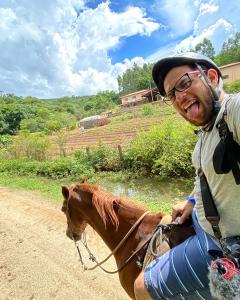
195 102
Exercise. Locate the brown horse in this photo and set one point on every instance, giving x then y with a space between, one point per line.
112 217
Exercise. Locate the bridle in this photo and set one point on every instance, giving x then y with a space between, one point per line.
92 257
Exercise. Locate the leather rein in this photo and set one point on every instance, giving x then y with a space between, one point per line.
93 258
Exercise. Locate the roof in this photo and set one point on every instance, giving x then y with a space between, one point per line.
228 65
97 117
153 92
138 92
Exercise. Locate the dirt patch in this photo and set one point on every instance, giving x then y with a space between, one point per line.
38 261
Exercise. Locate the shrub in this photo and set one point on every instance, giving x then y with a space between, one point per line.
5 140
177 152
104 158
20 166
233 87
56 169
33 146
164 150
148 109
65 167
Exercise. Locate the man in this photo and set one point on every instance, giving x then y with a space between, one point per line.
192 83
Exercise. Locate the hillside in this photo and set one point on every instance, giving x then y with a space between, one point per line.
121 130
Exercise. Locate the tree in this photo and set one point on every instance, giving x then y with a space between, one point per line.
135 79
205 48
230 52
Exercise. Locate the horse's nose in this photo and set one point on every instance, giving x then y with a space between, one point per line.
72 235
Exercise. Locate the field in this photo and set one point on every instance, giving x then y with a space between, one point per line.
120 131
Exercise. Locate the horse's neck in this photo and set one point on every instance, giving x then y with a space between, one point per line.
112 236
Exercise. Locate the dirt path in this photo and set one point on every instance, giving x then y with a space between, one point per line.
38 261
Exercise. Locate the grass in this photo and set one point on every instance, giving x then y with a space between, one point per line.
50 189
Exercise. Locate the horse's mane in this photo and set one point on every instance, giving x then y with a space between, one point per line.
104 203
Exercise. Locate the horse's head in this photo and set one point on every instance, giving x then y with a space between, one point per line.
73 208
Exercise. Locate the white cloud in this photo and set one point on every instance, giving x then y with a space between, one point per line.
58 47
217 33
216 20
178 15
120 68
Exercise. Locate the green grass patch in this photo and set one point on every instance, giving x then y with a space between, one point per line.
50 189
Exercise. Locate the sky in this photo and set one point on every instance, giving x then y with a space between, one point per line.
57 48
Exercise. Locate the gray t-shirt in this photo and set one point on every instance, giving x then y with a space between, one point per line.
224 190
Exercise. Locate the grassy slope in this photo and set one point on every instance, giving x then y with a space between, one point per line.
120 130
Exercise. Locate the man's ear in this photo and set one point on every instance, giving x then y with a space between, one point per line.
213 77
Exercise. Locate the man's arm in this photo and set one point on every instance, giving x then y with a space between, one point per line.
184 209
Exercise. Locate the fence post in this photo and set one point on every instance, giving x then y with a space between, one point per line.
88 151
120 152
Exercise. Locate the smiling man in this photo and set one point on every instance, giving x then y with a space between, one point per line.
192 83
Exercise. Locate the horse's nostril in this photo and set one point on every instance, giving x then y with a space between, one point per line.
76 237
73 236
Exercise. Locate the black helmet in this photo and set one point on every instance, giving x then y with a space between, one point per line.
163 66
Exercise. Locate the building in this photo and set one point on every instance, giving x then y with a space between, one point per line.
230 72
139 97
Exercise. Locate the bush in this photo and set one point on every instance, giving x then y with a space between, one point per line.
33 146
148 109
233 87
65 167
56 169
102 158
5 140
164 150
20 166
177 152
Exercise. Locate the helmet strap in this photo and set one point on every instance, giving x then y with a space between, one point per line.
215 98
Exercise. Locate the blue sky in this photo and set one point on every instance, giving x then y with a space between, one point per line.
54 48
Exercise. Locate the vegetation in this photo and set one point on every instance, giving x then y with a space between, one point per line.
229 53
164 151
205 48
233 87
136 79
50 116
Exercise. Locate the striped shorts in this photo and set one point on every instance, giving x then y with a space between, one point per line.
182 272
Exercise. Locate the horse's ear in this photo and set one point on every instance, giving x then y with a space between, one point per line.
65 192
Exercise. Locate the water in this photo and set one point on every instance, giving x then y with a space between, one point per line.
156 194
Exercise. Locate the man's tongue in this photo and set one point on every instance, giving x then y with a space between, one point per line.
193 110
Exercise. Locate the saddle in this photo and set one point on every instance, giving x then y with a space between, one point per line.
167 235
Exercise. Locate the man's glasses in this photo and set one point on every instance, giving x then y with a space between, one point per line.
183 83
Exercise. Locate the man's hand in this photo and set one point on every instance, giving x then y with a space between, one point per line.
183 209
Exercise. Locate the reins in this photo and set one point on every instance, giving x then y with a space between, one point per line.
93 258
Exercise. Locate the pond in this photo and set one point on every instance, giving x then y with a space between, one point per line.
154 193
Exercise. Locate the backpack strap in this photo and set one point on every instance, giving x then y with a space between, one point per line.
209 206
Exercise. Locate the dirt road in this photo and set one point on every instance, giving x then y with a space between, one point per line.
38 261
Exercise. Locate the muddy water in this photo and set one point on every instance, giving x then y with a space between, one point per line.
155 193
